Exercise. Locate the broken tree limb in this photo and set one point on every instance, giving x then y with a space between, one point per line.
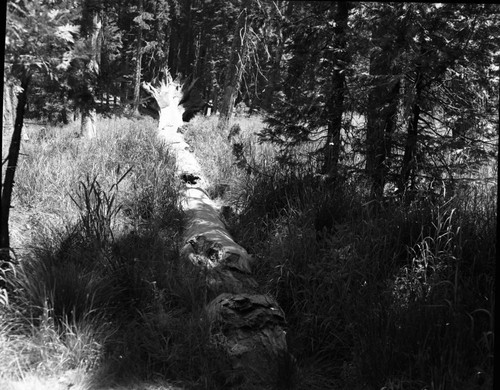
248 326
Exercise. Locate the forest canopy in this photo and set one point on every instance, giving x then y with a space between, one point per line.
422 77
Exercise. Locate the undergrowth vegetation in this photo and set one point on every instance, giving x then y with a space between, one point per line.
97 291
398 295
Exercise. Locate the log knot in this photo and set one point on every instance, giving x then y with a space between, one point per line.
252 311
210 253
190 178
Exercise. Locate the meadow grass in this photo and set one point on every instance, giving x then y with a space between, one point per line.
215 149
397 296
98 298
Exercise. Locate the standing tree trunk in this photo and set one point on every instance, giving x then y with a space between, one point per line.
213 92
186 45
274 76
234 69
381 114
138 64
173 46
8 111
274 73
166 49
200 55
10 171
409 158
87 128
335 104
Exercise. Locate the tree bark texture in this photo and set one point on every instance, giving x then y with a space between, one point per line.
12 159
274 77
8 110
381 117
88 128
408 165
187 41
173 48
138 65
234 69
335 105
246 325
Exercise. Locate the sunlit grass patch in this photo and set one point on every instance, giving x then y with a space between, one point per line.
226 156
45 349
50 168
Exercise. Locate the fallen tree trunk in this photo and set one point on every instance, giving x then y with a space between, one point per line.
247 325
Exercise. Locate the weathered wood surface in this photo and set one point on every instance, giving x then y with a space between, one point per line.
247 325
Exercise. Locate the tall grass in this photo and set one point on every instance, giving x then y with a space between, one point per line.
397 296
98 289
228 161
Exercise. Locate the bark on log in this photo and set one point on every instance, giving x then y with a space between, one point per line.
247 325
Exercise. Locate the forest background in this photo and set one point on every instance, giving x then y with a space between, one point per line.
356 143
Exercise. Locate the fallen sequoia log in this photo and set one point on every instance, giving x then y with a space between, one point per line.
247 326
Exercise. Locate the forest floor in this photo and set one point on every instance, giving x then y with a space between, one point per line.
373 300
